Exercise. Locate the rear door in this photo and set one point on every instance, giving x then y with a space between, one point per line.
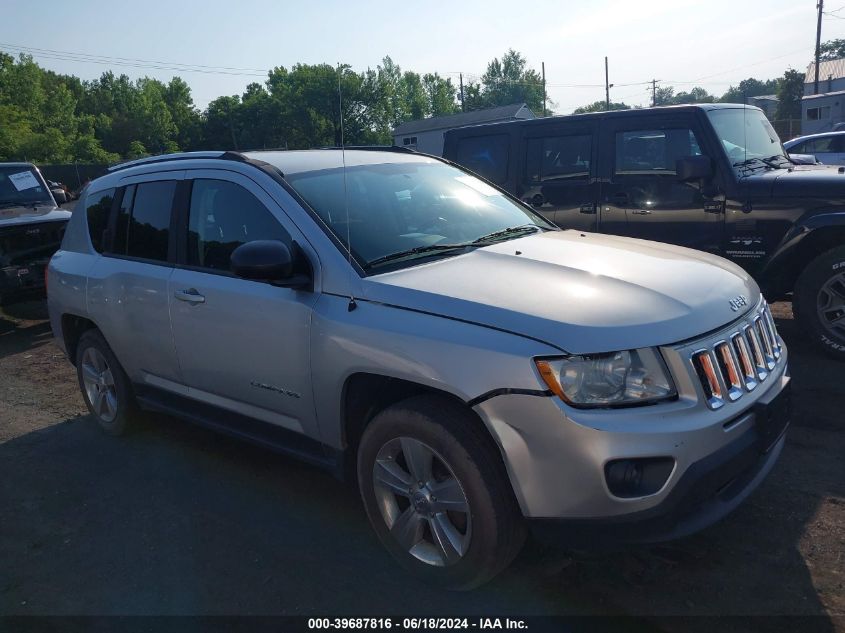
558 173
242 345
127 286
643 197
827 149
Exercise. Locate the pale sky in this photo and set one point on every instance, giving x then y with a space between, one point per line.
713 43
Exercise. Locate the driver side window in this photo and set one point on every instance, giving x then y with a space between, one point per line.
223 215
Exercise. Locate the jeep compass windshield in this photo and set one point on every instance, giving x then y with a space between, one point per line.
403 212
748 138
20 185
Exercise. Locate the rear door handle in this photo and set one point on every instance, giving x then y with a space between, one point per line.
641 211
589 207
190 295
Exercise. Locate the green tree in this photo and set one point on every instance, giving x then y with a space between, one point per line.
509 80
601 106
749 88
790 91
832 49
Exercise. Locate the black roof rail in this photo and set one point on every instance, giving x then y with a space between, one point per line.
164 158
374 148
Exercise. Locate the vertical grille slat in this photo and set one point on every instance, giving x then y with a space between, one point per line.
730 370
733 366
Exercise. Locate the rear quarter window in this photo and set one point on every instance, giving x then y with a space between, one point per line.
97 209
487 156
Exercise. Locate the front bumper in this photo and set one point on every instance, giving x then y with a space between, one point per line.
556 460
18 282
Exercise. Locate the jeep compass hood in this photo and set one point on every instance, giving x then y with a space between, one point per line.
581 292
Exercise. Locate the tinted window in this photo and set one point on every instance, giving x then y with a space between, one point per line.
97 208
143 222
822 145
223 216
558 158
485 155
653 151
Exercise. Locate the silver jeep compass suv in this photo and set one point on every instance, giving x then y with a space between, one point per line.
389 316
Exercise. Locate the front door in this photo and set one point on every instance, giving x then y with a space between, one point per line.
558 174
643 197
242 345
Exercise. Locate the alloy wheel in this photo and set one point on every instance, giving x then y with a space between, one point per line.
422 502
99 384
831 305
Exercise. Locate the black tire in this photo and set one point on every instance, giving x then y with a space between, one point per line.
462 443
810 291
126 410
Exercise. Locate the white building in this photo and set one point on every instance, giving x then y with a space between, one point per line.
426 135
821 112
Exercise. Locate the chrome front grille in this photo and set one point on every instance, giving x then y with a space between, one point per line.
737 363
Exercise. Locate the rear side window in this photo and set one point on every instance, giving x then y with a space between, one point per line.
558 158
653 151
98 208
486 156
224 215
143 221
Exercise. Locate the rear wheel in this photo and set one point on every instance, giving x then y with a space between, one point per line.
819 301
104 385
436 493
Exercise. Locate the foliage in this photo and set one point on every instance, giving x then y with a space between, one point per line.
45 117
789 92
832 49
601 106
750 87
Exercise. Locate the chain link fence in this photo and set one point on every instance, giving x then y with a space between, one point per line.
787 128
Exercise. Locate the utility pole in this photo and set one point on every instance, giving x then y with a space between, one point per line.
606 86
820 6
543 65
463 107
654 92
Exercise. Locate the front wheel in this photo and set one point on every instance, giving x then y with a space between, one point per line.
819 302
436 493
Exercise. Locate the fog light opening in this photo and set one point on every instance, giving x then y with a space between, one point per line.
640 477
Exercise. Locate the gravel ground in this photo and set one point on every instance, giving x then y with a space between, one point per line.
177 520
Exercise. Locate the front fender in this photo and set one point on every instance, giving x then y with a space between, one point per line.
796 249
462 359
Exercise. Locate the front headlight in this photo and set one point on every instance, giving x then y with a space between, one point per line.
616 379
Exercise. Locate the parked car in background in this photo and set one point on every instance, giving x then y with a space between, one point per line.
391 317
828 148
713 177
31 230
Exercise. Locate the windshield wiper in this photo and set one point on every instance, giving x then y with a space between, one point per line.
766 161
508 232
412 252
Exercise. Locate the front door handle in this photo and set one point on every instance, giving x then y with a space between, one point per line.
641 211
190 295
588 207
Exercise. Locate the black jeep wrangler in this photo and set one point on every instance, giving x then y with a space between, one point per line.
713 177
31 230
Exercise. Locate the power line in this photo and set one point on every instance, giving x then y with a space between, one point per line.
109 58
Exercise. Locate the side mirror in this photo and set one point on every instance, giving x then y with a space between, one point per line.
691 168
59 195
266 260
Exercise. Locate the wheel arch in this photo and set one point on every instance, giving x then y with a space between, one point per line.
73 327
366 394
802 245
